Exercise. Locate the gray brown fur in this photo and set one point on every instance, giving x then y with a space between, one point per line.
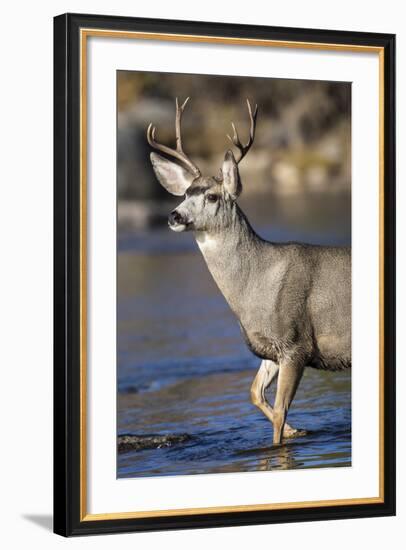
293 301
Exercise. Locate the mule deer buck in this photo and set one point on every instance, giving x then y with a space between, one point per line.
292 301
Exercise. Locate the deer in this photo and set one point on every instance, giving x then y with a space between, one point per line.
292 300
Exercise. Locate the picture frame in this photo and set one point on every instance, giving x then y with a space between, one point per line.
72 204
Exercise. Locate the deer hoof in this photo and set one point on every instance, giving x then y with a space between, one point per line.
292 432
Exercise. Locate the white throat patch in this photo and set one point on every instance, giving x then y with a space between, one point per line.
205 242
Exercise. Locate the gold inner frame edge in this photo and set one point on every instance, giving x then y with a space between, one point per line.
84 34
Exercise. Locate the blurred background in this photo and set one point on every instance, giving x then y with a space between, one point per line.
302 145
184 372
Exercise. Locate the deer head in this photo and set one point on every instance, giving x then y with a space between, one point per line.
209 201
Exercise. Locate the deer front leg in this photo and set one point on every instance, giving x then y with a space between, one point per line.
264 378
288 380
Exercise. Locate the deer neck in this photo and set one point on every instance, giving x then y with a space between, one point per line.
231 256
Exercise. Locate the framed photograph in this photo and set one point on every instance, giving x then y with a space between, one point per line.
224 274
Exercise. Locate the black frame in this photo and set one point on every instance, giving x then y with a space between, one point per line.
67 275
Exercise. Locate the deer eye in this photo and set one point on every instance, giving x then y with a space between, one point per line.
212 198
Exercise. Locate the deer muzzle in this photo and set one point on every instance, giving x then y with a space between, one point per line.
177 222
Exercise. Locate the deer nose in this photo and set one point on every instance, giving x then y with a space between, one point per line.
174 218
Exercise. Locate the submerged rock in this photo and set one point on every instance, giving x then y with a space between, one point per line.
130 442
128 388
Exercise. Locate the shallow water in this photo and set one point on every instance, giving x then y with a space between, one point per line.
183 367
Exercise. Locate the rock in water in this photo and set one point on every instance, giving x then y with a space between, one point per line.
131 442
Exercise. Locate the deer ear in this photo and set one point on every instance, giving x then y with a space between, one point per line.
231 176
172 176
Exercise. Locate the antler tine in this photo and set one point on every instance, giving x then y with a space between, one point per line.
235 140
178 153
179 113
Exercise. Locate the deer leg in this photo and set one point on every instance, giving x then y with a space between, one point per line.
288 381
264 378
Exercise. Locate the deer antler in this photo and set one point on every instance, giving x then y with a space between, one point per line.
178 153
235 140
